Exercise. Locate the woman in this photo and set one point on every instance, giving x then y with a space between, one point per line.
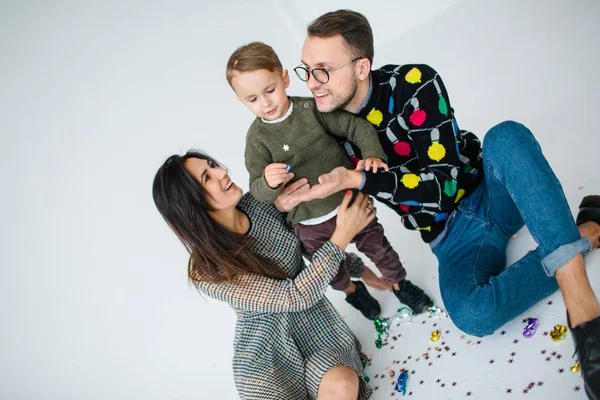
290 343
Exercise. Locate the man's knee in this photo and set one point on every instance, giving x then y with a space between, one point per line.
474 320
504 138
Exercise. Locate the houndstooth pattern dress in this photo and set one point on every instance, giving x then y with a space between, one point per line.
288 335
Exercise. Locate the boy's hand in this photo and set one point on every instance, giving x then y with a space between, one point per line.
373 163
276 174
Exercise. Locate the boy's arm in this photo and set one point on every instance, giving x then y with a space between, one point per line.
359 131
257 157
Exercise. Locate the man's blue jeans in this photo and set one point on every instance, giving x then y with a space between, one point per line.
519 188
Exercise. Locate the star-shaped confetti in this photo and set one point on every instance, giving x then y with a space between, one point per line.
286 147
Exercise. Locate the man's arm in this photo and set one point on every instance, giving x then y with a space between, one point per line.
424 116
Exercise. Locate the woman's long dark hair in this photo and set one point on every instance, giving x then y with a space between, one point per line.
216 254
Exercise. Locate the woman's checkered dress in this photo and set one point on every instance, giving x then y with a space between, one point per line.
288 335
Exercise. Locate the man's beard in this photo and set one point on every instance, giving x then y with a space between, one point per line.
346 97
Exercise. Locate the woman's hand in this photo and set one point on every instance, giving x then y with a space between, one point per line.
374 281
292 195
352 219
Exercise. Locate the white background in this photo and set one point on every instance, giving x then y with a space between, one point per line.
94 96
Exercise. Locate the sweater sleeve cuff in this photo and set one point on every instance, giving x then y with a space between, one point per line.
265 193
374 154
362 182
376 184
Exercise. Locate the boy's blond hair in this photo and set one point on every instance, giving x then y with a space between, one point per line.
252 57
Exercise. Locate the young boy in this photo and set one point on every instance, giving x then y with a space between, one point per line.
290 133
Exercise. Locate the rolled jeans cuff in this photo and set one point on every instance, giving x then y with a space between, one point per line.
559 257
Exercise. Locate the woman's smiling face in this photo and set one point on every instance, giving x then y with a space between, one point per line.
222 192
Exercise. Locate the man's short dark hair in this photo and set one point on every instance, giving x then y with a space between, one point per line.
354 28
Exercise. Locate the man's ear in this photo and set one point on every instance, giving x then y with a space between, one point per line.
286 78
364 68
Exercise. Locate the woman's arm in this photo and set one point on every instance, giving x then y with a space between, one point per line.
258 293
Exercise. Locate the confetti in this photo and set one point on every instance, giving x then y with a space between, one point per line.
401 384
435 336
364 359
558 333
529 330
382 327
402 316
437 312
288 168
576 368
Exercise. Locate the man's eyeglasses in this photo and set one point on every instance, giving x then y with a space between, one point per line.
321 75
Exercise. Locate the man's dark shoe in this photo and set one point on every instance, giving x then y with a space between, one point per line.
413 296
589 210
587 347
362 300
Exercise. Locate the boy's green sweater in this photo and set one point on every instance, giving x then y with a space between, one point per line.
305 141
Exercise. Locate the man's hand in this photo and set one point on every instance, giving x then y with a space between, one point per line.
338 179
372 163
292 195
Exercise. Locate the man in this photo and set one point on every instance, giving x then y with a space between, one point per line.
465 202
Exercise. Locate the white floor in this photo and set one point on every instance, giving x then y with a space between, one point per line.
94 96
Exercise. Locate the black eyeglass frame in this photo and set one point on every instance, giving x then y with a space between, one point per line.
302 72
